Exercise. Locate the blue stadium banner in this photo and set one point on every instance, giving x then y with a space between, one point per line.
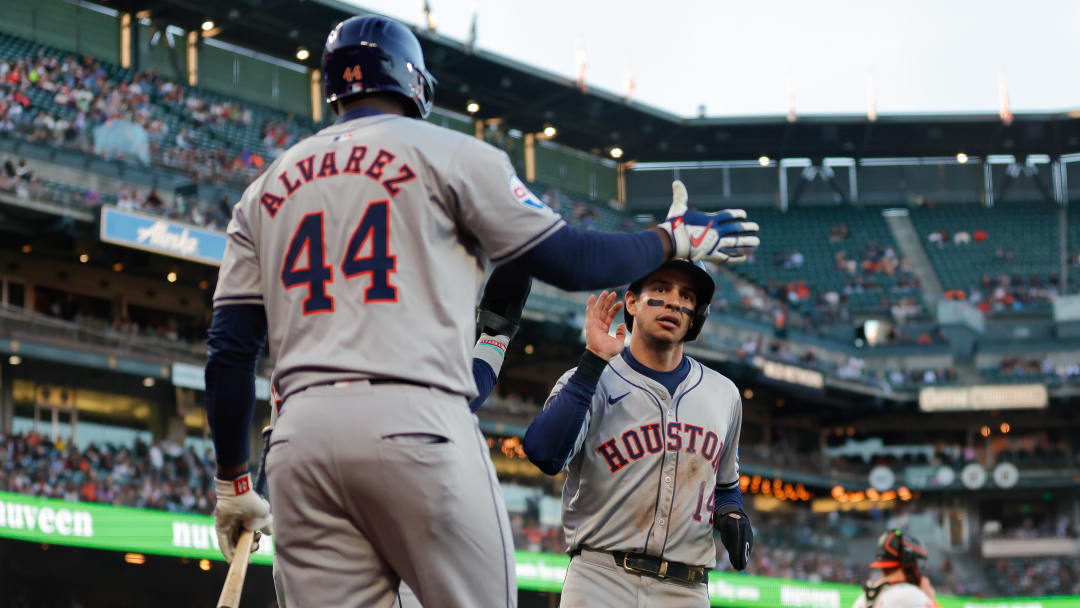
160 235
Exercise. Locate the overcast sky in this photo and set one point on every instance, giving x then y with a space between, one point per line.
742 57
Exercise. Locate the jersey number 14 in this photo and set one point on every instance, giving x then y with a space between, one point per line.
309 243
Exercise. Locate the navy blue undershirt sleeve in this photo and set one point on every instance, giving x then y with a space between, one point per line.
550 438
728 496
485 381
577 260
236 336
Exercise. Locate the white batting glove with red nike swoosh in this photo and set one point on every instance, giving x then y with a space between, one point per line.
239 507
721 237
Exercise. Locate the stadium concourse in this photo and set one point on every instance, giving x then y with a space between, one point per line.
895 287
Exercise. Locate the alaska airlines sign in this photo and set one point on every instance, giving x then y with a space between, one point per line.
159 235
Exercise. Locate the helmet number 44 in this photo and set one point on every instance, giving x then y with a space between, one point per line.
353 73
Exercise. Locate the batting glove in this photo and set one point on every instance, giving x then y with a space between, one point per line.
719 237
737 534
239 507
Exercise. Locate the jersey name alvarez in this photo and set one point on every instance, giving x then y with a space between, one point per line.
637 442
380 167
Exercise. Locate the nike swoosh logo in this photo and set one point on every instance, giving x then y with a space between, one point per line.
695 242
614 400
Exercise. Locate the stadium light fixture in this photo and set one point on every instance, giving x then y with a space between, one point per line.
472 107
207 25
550 131
961 157
14 360
171 277
302 54
616 152
764 160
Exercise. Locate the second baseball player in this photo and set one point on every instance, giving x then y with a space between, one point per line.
649 440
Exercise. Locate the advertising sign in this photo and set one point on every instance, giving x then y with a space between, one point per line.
78 524
159 235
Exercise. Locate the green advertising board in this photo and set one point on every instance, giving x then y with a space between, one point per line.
78 524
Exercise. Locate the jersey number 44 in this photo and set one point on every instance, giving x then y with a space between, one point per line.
308 247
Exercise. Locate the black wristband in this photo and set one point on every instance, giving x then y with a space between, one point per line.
590 367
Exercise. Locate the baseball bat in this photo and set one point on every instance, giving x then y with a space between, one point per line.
234 580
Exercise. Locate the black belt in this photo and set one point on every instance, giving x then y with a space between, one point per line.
655 567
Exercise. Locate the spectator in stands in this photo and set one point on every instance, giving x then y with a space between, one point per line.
839 233
962 238
938 237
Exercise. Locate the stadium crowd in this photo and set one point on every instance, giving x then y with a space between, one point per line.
151 476
1035 576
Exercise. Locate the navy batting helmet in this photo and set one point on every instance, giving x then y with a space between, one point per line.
703 287
372 54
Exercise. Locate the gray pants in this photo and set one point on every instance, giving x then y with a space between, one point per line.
405 599
376 484
593 581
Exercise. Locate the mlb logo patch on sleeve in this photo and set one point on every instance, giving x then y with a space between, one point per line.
524 196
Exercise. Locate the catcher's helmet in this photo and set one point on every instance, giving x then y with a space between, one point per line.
703 287
374 54
898 550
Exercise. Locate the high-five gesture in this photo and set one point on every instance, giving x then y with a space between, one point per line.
599 313
721 237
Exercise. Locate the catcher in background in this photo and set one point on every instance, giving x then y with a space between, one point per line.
901 585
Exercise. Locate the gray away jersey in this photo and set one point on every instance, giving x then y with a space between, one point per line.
366 244
644 467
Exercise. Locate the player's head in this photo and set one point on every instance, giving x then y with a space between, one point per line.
376 56
670 304
896 550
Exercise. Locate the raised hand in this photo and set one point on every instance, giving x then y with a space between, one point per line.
719 237
599 313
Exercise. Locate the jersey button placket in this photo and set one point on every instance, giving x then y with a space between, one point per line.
668 466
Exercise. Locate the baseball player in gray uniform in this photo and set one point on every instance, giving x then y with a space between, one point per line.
649 441
357 255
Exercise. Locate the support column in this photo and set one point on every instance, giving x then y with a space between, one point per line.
7 400
530 157
316 96
127 46
782 177
193 58
620 183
